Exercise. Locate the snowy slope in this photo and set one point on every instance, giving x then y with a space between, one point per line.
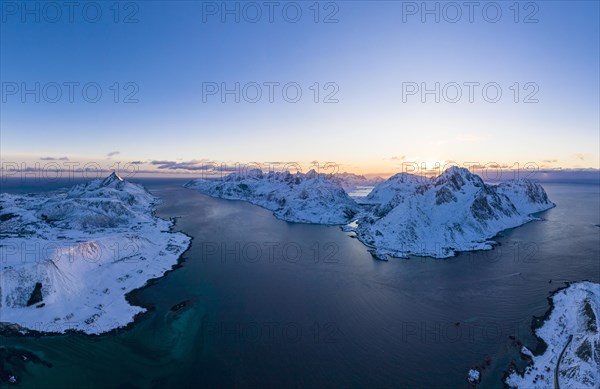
455 211
389 193
302 198
68 260
527 196
573 326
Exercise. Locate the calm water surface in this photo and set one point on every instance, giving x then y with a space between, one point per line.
276 304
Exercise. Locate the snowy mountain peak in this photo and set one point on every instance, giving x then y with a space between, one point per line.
456 177
100 203
252 173
312 173
112 180
406 177
452 170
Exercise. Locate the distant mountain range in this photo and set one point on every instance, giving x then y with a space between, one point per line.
406 214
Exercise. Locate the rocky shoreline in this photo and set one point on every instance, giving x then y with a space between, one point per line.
546 328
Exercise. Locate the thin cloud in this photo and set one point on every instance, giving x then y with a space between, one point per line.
113 153
192 165
54 159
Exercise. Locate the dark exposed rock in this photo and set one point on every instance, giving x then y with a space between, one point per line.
481 209
444 195
36 295
592 323
584 351
181 306
6 216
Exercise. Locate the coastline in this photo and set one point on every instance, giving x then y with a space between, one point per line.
492 241
11 329
541 346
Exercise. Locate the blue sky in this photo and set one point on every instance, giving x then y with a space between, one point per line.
367 57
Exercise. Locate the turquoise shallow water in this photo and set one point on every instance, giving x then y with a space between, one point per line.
275 304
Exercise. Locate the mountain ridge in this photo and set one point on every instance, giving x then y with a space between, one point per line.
455 211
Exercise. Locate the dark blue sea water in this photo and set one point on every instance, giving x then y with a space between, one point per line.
276 304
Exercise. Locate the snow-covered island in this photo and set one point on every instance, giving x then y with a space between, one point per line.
571 334
69 259
404 215
301 197
473 377
455 211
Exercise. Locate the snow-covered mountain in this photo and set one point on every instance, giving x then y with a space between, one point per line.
107 203
69 259
299 197
571 333
455 211
388 193
351 180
